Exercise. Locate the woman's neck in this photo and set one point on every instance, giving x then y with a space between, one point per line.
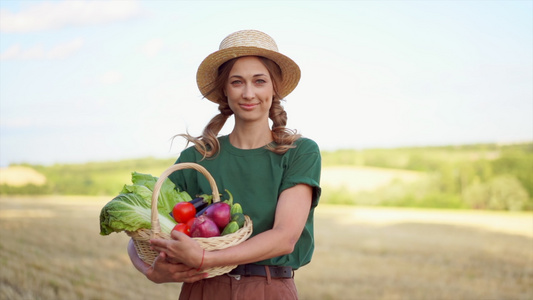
250 137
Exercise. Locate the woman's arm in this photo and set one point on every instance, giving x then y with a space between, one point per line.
292 211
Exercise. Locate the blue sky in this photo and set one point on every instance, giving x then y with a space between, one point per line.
106 80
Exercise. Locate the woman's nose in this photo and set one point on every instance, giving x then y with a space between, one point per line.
248 92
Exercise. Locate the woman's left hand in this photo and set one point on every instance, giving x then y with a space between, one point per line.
162 271
181 248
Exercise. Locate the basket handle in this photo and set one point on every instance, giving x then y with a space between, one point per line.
156 226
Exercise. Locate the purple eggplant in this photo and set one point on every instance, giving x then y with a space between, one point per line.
202 201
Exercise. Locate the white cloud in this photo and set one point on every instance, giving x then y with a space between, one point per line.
152 47
54 15
65 49
59 51
16 52
111 77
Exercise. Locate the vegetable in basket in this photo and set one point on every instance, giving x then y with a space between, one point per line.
202 201
220 214
230 228
183 212
131 209
226 216
203 226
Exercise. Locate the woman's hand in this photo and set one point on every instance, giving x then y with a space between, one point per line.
162 271
181 248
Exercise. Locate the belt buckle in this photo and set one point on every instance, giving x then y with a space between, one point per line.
237 277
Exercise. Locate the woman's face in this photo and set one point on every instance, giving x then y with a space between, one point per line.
249 90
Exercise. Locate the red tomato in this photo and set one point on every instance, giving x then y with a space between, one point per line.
189 223
183 212
182 227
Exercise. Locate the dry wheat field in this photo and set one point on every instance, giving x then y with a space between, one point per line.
50 248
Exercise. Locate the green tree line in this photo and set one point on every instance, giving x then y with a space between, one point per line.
481 176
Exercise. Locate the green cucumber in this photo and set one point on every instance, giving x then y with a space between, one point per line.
230 228
236 209
239 218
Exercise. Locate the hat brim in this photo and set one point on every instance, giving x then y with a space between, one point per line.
208 69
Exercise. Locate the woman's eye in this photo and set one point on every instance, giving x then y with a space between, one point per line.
236 82
260 81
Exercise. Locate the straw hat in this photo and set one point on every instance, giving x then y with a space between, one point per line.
247 43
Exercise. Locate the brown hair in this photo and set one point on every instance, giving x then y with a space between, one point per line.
207 144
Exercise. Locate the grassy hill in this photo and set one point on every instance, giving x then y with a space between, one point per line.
94 178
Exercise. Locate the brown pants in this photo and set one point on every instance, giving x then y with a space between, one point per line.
247 287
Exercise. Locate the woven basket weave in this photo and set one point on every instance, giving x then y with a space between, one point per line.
141 238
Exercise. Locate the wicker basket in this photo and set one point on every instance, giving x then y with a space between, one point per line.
141 238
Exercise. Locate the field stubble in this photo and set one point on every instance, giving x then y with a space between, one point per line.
51 249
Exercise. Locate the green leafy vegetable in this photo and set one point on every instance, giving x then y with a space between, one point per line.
125 212
143 184
131 209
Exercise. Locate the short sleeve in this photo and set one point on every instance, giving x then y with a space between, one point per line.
303 166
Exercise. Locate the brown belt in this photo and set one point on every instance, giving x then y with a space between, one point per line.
259 270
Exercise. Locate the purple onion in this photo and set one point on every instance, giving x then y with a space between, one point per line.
203 226
220 213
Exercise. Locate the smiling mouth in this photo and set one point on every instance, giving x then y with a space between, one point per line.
249 106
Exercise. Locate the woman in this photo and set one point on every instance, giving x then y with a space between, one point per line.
273 173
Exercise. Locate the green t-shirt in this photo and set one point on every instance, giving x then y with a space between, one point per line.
256 178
